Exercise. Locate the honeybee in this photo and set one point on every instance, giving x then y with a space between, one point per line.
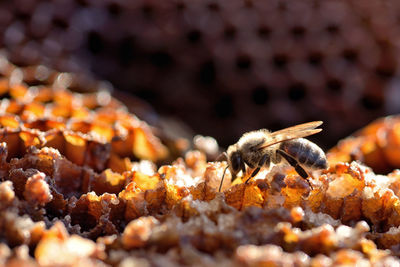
258 149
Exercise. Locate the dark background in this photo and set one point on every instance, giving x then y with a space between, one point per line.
224 67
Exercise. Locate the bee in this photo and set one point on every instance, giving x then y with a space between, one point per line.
258 149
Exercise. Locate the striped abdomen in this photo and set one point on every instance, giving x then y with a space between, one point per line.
306 153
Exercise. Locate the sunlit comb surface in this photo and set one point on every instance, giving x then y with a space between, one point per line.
83 182
72 180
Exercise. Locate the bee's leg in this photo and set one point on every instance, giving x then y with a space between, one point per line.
251 166
300 170
254 173
243 167
260 164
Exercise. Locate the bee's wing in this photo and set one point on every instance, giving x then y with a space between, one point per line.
298 128
297 131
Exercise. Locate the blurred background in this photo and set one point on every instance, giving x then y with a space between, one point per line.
223 67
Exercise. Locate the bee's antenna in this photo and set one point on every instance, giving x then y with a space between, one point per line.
222 180
222 156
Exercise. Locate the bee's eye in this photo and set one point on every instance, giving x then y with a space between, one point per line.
235 161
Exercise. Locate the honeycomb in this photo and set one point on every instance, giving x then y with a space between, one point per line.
376 145
281 61
83 183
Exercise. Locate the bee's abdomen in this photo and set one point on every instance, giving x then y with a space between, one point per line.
306 153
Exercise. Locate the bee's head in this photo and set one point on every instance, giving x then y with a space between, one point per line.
235 161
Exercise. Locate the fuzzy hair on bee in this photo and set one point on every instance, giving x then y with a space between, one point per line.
258 149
